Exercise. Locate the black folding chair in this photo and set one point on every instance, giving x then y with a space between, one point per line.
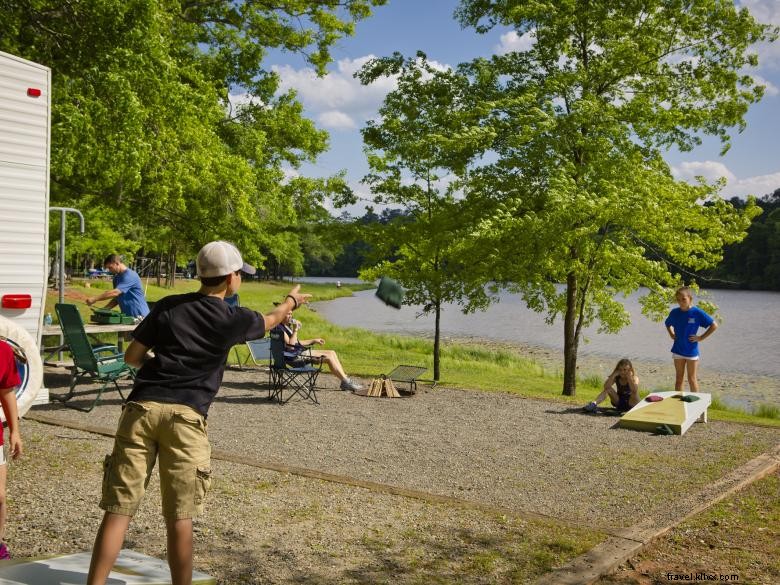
260 355
299 379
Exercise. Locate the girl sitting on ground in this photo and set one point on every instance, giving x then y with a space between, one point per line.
622 387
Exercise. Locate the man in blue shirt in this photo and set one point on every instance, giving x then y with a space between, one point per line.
127 292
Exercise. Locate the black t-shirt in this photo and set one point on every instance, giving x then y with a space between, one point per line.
191 335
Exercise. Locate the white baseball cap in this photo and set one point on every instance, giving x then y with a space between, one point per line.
220 259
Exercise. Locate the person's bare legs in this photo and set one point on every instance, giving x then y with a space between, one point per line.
679 374
180 550
333 362
3 508
692 366
108 543
613 396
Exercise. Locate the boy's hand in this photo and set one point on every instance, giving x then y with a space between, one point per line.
300 299
695 338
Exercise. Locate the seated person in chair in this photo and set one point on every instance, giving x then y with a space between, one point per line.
297 351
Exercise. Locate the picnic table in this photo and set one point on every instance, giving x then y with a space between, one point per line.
90 329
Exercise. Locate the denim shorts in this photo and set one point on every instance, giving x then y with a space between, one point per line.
174 433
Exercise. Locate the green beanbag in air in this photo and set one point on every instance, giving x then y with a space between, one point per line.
390 292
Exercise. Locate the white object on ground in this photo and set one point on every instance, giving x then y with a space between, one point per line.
671 411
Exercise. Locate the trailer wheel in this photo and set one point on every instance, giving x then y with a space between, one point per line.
30 370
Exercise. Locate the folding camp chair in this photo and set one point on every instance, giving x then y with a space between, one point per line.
300 380
260 354
103 363
407 375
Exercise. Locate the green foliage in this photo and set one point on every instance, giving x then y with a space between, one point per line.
414 154
579 192
753 263
142 123
767 411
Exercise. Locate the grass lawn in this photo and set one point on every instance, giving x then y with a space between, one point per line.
366 354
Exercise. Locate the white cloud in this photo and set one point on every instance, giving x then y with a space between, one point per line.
338 100
759 185
336 120
237 100
290 173
763 10
338 95
769 87
512 42
767 12
712 170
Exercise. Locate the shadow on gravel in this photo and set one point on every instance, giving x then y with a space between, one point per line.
516 554
603 412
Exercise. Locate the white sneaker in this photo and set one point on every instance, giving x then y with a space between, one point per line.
349 386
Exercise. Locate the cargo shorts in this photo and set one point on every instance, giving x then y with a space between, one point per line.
174 433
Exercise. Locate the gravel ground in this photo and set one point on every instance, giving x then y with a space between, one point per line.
519 456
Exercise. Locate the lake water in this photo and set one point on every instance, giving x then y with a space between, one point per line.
747 341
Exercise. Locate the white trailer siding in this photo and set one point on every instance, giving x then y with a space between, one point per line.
24 187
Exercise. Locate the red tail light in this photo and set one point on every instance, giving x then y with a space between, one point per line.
33 92
17 301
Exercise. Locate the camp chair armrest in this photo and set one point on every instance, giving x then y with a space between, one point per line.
106 348
110 358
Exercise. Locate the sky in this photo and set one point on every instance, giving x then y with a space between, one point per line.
339 104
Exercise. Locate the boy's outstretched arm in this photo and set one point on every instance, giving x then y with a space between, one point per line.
292 301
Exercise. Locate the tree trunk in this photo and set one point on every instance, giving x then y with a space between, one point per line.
570 338
159 269
170 280
437 344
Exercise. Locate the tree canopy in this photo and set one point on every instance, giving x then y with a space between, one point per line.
579 192
142 117
414 162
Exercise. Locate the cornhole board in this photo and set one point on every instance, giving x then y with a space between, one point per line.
672 411
131 568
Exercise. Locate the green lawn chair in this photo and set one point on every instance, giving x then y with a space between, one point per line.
102 363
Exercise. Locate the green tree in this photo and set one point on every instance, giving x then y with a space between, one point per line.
579 193
141 117
414 160
753 263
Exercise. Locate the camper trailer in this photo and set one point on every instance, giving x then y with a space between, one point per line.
25 114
